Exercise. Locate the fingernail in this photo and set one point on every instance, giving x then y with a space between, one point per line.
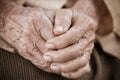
47 58
55 68
59 29
50 45
66 74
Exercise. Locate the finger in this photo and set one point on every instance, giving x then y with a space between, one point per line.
35 48
63 20
70 52
70 65
36 56
64 54
70 37
32 55
41 45
34 40
44 27
74 64
27 44
79 73
47 32
50 14
37 59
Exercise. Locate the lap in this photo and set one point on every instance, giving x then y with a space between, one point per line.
14 67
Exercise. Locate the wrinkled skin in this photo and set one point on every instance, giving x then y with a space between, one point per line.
74 46
30 32
27 30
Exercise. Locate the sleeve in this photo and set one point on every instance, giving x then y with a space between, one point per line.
47 4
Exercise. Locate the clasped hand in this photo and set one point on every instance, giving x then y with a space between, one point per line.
64 47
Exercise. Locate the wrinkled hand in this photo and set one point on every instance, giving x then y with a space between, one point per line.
27 30
74 47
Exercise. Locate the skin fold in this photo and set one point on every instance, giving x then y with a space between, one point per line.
55 41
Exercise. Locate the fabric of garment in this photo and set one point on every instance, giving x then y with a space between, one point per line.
46 4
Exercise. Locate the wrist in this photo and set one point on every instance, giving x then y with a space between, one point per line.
6 6
93 8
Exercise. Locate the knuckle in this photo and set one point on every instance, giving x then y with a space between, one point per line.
48 54
74 34
88 54
44 64
35 61
90 47
25 55
90 35
75 76
92 24
85 60
87 69
75 13
53 56
64 11
40 63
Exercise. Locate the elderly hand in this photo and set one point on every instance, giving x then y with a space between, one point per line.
71 51
26 30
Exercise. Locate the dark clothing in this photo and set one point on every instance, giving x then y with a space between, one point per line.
14 67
